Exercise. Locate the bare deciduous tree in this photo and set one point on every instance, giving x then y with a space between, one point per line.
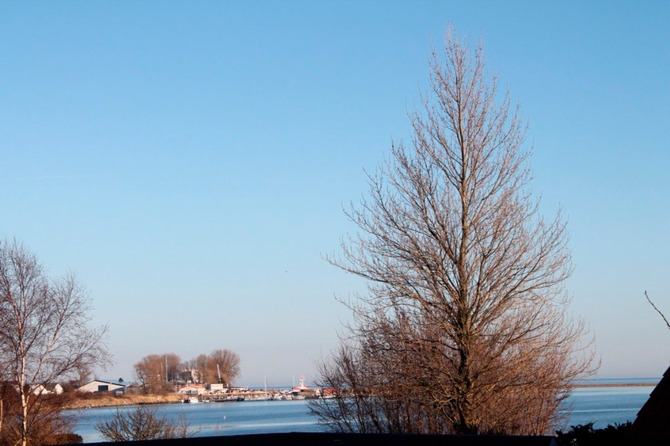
220 366
223 366
154 372
200 366
464 328
44 332
142 423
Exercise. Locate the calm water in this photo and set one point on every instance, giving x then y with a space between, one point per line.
210 419
600 405
605 405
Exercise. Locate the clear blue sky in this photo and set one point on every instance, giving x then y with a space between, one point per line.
189 161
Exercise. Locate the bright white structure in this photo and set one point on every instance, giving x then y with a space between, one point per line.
216 388
192 389
46 390
98 385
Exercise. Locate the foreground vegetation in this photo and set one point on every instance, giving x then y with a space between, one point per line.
45 338
465 325
586 435
142 423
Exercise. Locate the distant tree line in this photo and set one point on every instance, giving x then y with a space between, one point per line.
158 373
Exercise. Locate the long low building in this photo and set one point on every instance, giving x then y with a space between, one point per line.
98 385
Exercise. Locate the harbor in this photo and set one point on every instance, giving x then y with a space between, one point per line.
599 404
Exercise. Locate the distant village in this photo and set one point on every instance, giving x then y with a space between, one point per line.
196 393
161 378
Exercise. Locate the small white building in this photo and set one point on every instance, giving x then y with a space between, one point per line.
48 389
98 385
191 389
216 388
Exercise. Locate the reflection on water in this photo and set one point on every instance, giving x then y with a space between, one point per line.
599 405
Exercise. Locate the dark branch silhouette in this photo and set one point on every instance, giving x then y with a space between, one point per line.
656 308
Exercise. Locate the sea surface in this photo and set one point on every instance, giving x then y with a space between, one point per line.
599 405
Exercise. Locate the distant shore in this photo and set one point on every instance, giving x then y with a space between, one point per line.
132 399
621 384
129 399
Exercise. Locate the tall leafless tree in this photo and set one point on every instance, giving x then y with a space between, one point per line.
464 327
44 332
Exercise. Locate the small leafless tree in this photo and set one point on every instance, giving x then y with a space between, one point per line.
44 333
142 423
464 328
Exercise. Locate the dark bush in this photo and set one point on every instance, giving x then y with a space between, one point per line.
586 435
60 439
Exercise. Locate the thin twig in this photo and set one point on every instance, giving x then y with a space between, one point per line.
657 310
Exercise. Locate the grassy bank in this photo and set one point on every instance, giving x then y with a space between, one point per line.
121 400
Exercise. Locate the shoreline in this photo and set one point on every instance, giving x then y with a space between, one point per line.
173 398
621 384
121 400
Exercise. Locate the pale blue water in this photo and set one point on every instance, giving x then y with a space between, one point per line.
600 405
605 405
212 419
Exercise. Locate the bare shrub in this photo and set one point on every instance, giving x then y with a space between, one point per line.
142 423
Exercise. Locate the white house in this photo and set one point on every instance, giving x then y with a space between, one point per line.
103 386
48 389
